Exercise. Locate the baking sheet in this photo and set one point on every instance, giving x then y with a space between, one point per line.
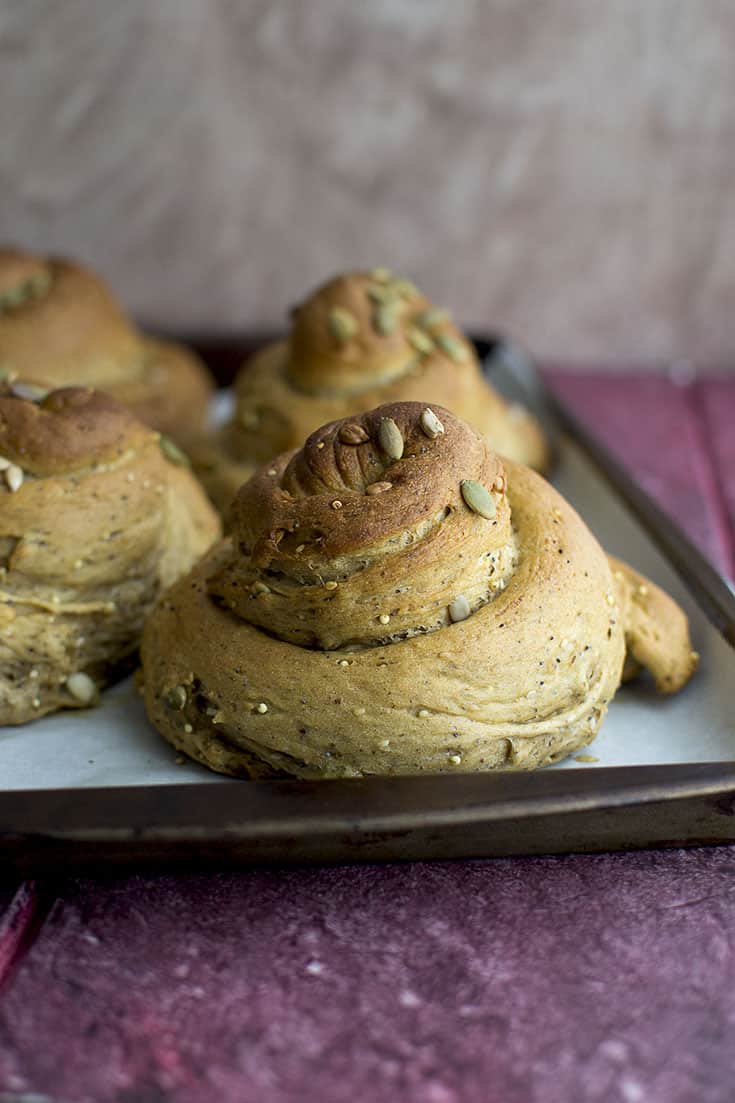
113 745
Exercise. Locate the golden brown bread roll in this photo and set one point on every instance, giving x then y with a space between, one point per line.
60 325
395 598
98 514
360 340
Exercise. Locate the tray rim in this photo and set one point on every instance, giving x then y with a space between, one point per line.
480 815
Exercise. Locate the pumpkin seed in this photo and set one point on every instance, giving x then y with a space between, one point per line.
478 498
419 340
342 324
454 349
175 698
433 317
385 319
172 452
430 424
390 437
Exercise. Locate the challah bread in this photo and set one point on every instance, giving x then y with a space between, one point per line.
395 598
60 325
361 340
98 514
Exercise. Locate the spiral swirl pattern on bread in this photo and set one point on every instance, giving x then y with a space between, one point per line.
362 340
59 324
395 598
98 514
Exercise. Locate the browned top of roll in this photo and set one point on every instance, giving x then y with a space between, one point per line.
59 323
64 430
366 328
334 530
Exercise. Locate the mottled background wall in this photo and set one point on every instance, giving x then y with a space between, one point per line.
562 170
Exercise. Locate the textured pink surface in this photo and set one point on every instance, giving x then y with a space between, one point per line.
680 452
599 978
607 978
716 401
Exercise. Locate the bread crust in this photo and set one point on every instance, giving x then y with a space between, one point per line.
95 521
60 325
402 349
339 632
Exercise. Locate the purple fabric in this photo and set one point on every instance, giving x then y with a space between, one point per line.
608 978
678 453
716 400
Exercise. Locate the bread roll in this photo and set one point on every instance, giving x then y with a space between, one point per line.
361 340
395 598
60 325
98 514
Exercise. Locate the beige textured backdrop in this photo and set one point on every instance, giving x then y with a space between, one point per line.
561 169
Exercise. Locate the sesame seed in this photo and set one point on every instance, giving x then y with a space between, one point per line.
384 618
320 445
330 584
455 759
385 743
33 673
610 599
188 729
336 504
36 703
146 483
359 712
423 713
272 471
261 708
300 548
343 662
130 477
642 590
78 563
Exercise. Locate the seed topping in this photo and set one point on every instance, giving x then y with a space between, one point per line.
377 488
29 391
430 424
420 340
176 698
391 439
342 324
454 349
385 319
459 609
478 498
82 688
433 317
172 452
13 477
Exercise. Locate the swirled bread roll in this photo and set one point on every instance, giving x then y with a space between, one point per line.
359 341
97 515
60 325
395 598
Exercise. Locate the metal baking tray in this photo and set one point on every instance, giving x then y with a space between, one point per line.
100 790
